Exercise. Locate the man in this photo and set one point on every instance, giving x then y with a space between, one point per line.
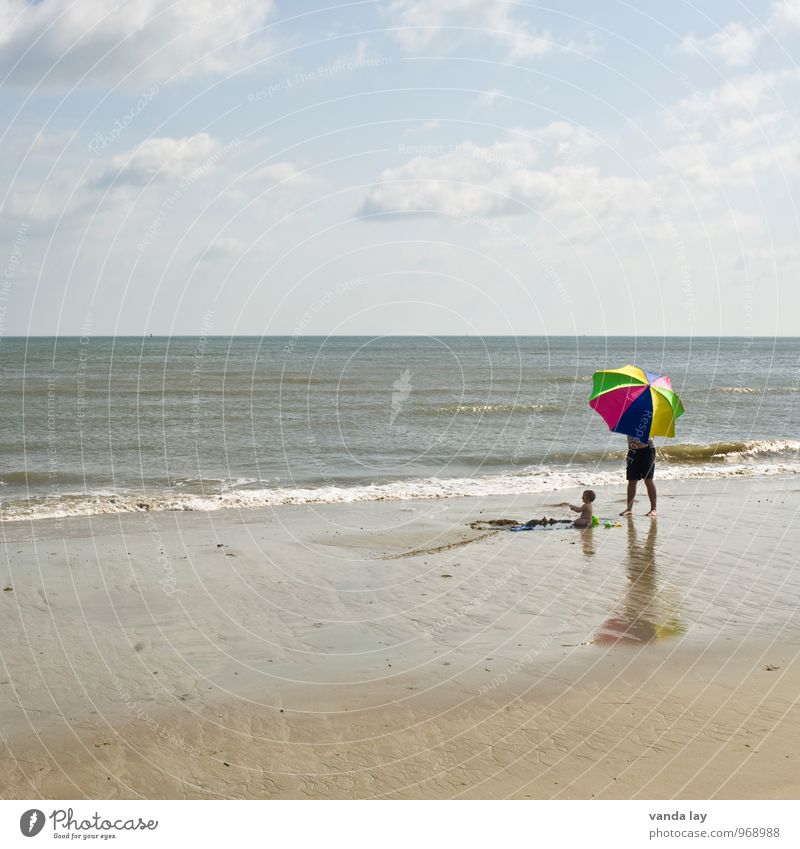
641 465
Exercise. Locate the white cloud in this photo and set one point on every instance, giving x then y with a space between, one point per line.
751 168
452 185
486 99
742 94
272 190
746 119
421 24
734 151
280 172
786 13
425 127
228 245
488 180
160 159
59 42
737 44
220 249
565 141
40 202
358 55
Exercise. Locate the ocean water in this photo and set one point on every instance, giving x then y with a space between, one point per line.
100 425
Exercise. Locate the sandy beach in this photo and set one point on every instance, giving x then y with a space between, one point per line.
307 310
389 649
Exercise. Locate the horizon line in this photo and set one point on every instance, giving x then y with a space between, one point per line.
396 335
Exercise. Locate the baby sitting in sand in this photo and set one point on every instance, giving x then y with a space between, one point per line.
585 509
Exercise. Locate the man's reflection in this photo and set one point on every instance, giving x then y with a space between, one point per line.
644 614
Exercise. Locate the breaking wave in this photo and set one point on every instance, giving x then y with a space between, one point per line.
488 409
716 452
744 459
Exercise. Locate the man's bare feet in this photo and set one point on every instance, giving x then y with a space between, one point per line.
626 513
652 514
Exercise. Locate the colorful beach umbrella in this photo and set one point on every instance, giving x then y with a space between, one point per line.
636 402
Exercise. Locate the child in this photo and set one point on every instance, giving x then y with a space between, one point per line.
585 509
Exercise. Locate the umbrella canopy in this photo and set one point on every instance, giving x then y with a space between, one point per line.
635 402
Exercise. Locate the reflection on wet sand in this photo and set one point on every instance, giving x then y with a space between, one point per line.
587 541
645 613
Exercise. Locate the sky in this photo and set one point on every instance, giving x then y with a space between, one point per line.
202 167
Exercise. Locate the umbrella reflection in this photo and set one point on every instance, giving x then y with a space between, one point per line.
645 614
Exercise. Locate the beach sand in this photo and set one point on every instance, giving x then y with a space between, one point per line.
389 649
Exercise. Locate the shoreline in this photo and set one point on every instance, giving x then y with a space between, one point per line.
508 484
146 652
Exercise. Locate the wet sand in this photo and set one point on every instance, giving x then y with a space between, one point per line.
390 649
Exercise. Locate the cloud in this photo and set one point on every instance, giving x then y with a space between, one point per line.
220 249
486 99
749 93
42 201
160 160
739 135
737 44
748 114
565 141
420 24
425 127
280 172
486 180
59 42
268 189
752 167
360 54
786 13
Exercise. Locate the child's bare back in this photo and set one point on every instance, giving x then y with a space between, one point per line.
585 508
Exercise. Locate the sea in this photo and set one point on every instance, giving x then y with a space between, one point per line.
96 425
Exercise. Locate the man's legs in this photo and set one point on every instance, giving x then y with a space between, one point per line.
651 491
631 496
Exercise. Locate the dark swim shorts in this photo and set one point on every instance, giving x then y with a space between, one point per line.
641 464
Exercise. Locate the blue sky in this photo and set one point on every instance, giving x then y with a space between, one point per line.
449 166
